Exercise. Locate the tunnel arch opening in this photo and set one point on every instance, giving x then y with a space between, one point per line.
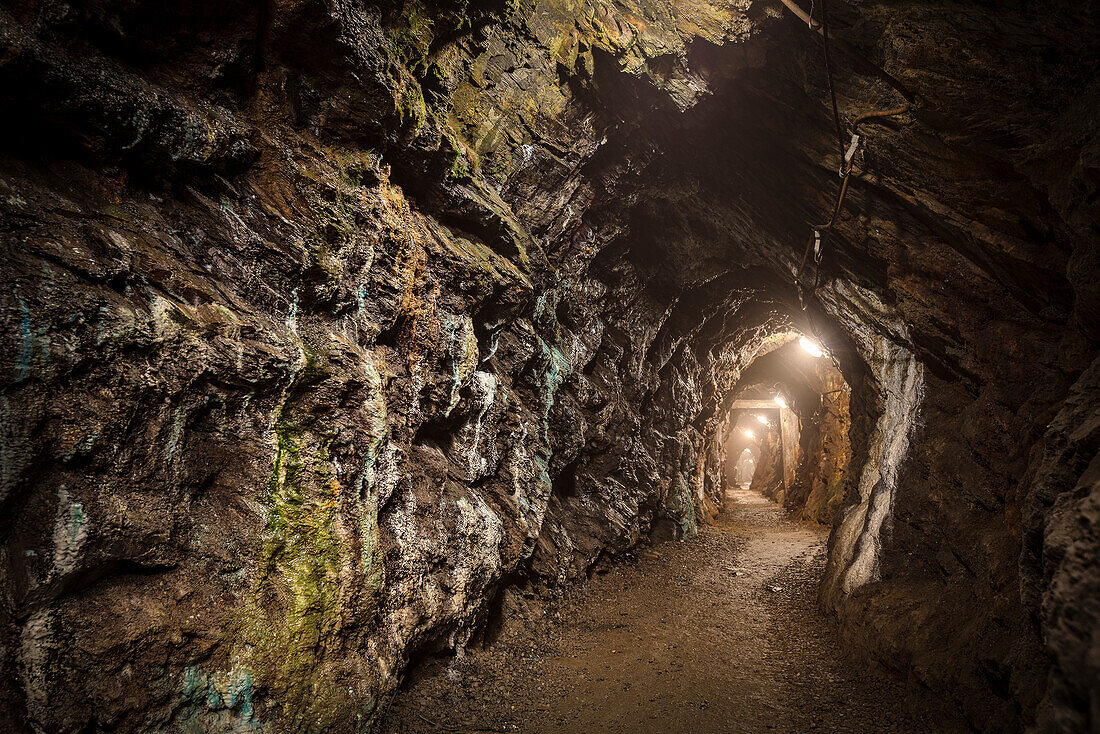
868 396
792 405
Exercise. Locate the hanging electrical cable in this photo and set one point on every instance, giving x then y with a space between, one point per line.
849 151
829 73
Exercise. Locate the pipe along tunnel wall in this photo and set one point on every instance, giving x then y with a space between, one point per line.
329 325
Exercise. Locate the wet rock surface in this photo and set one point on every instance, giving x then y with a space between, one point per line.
325 323
719 633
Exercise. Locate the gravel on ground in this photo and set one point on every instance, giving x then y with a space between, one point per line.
720 632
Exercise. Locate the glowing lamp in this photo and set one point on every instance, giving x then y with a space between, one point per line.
762 419
810 347
749 434
780 401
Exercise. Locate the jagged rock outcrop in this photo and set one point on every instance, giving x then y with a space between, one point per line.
327 320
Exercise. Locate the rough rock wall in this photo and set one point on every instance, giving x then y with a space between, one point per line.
322 318
820 488
285 390
819 396
1063 510
768 479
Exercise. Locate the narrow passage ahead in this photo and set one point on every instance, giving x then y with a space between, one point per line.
719 633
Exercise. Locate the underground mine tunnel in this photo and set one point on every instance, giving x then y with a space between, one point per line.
392 366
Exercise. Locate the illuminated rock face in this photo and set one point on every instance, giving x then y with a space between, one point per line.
325 322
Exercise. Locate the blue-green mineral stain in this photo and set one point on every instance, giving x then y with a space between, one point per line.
361 300
682 505
688 525
77 520
219 701
26 348
558 368
29 339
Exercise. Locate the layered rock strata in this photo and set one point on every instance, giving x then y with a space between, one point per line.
326 321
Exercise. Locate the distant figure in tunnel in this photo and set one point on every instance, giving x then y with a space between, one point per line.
744 469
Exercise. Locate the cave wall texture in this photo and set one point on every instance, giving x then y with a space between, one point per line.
325 321
819 489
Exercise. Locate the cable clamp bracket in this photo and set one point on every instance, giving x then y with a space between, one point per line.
850 154
817 245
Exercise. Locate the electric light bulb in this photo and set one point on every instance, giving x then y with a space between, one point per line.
749 434
780 401
810 347
762 419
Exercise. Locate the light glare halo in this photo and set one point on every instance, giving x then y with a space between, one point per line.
810 347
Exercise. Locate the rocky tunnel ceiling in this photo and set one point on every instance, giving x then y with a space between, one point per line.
329 324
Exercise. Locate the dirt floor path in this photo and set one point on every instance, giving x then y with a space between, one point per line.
719 633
